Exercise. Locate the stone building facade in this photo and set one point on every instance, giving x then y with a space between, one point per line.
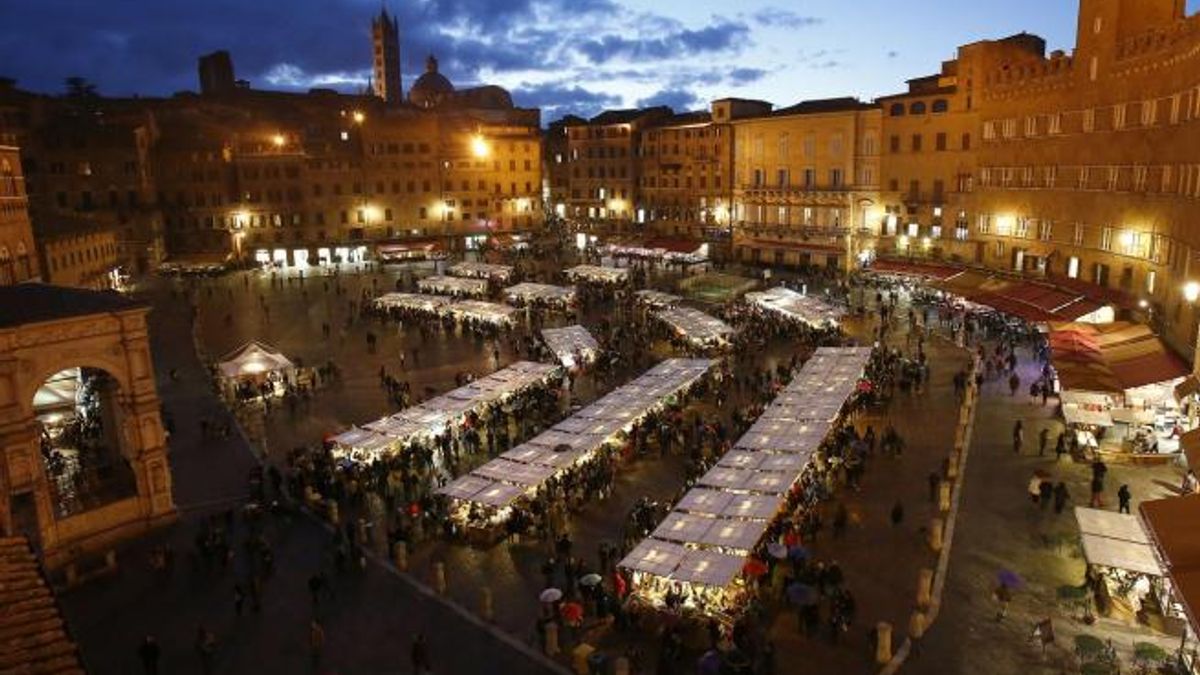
18 254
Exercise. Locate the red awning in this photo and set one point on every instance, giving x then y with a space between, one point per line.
673 244
408 246
1125 354
824 249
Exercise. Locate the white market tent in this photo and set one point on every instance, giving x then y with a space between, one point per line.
797 307
696 326
455 286
481 270
653 298
254 360
527 292
571 342
488 312
736 501
607 275
426 420
582 435
413 301
654 557
1117 540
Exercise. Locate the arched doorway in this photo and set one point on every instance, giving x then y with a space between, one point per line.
79 413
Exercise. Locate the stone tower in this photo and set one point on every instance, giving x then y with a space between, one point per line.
385 39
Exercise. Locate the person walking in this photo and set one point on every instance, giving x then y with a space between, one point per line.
206 650
239 598
1097 500
1003 596
148 653
1045 494
420 656
316 641
1124 497
935 484
1043 441
897 514
1014 383
1061 497
1018 436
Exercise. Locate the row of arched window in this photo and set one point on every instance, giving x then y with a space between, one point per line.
939 105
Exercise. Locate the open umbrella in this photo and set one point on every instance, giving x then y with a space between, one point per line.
777 550
572 613
709 663
590 579
802 595
754 568
550 595
1009 579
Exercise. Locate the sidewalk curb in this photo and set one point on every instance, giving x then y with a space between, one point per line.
974 396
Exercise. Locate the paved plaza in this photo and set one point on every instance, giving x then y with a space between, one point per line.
370 617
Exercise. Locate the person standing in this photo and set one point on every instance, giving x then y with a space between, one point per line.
1014 383
1018 436
1043 441
1061 497
206 649
1124 497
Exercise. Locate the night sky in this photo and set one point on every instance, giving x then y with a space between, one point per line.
566 56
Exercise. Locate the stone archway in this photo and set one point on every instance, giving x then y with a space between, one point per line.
119 483
79 414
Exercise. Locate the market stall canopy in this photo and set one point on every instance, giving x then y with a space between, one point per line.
671 249
1111 358
708 568
796 306
1032 301
1171 524
418 301
653 556
481 270
453 285
655 298
413 249
568 342
694 325
526 292
609 275
1116 540
253 359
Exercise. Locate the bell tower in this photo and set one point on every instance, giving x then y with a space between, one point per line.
385 39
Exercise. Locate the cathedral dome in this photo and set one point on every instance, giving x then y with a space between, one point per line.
431 88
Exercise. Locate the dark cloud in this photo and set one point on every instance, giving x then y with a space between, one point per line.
559 99
742 76
786 18
679 100
722 35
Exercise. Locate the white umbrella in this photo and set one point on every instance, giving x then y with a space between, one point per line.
550 595
590 579
777 550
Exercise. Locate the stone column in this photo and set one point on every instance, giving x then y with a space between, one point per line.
400 555
485 603
944 496
439 577
935 534
552 639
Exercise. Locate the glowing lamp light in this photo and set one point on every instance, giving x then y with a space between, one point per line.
371 213
1191 291
479 147
278 140
1005 224
1143 304
359 117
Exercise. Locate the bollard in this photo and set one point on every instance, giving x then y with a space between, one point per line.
944 496
485 603
935 534
110 560
551 639
72 575
952 466
621 667
333 512
883 643
400 555
439 577
924 587
916 626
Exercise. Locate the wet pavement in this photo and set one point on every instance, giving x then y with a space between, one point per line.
374 614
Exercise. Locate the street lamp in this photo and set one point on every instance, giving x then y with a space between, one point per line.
278 140
359 117
1191 291
479 147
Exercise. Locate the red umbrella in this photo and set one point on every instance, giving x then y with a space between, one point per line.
754 568
572 612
